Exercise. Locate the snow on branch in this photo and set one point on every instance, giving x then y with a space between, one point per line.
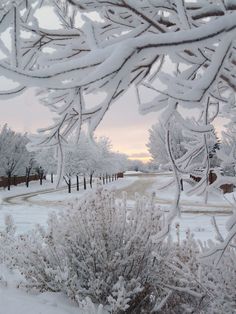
182 51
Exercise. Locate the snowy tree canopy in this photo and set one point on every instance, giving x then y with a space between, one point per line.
13 152
157 146
109 45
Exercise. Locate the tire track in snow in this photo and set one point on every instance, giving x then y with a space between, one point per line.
25 197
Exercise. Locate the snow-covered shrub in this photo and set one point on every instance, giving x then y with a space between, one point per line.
97 249
88 307
216 282
220 279
102 252
105 251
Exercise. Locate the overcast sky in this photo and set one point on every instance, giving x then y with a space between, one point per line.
127 129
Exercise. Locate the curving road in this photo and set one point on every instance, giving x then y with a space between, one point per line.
28 197
143 186
27 209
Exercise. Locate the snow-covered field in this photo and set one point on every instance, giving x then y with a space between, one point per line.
32 206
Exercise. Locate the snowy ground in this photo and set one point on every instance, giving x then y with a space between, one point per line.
196 214
32 206
18 301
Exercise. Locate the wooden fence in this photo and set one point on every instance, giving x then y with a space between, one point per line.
226 188
4 181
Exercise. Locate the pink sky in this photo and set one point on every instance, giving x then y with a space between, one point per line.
126 128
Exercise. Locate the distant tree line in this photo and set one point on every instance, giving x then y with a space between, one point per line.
82 161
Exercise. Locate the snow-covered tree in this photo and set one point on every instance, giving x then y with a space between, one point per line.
227 150
89 158
69 166
157 143
127 44
30 166
47 160
14 157
120 163
109 163
136 165
181 51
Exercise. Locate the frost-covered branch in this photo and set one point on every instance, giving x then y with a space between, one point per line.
183 52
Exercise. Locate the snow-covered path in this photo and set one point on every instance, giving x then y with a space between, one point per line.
196 215
30 208
147 184
141 184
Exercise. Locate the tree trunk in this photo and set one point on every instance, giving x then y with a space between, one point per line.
51 177
9 182
77 183
181 184
106 178
27 179
91 181
69 186
84 183
41 179
103 179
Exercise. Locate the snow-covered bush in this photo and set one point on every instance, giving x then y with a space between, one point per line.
97 249
101 252
105 251
221 282
85 254
218 271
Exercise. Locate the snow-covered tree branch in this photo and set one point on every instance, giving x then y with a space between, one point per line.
183 52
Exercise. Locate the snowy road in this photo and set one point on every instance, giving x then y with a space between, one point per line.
24 198
146 185
30 208
196 215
